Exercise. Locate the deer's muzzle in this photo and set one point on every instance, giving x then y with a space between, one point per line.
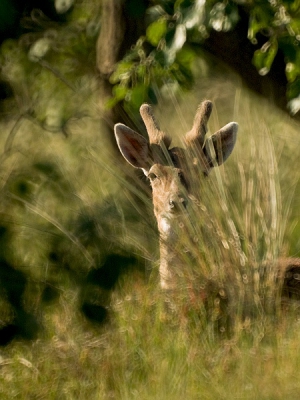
177 204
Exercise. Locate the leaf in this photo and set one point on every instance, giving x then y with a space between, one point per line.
141 71
293 89
223 17
139 95
185 57
293 94
156 31
122 71
264 57
260 20
181 70
291 71
119 94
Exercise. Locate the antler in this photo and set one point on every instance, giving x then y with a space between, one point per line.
156 136
197 134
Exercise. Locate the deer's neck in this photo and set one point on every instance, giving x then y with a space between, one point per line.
169 260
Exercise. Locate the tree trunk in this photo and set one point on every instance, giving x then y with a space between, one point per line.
108 52
122 23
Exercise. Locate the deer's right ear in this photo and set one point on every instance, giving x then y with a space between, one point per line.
133 146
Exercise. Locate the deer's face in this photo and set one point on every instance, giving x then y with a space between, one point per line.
169 190
173 172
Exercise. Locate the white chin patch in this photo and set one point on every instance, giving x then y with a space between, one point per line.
165 226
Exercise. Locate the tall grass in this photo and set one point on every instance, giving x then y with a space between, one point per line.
241 345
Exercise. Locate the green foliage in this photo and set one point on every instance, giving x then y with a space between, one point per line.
223 16
156 31
141 72
161 57
175 25
164 56
264 57
279 23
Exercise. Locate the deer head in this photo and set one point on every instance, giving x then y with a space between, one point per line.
172 171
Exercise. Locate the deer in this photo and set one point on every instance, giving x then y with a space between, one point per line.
171 171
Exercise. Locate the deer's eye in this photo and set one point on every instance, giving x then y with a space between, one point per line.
152 176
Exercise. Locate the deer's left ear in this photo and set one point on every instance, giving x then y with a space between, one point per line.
133 146
221 143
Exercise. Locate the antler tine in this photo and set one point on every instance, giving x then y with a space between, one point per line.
156 136
199 129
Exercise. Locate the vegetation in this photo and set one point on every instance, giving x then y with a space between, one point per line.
162 41
164 53
81 313
146 350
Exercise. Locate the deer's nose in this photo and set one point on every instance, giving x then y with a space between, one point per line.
178 203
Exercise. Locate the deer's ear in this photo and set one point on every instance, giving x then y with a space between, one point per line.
222 143
133 146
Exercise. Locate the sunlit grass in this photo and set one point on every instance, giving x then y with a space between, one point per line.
146 354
